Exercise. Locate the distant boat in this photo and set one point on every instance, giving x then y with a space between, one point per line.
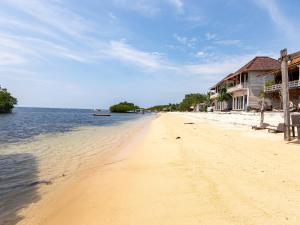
97 110
95 114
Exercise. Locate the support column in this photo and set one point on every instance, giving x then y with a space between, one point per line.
234 103
243 107
285 93
248 97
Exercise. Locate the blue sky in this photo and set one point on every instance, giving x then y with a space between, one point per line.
87 54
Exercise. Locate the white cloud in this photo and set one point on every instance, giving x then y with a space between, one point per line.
143 7
189 42
228 42
54 14
7 58
112 16
178 4
278 17
212 69
217 69
54 31
7 22
28 47
125 52
200 54
219 40
210 36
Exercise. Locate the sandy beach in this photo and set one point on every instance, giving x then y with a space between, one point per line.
179 171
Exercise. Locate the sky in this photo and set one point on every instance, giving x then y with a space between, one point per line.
94 53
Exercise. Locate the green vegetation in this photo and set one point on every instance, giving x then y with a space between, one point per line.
189 101
167 108
7 101
262 94
269 83
192 100
124 107
223 95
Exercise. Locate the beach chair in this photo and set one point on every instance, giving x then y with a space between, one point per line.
276 129
263 126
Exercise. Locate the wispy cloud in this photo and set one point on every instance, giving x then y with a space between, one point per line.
125 52
216 39
210 36
55 15
34 48
54 30
228 42
216 69
7 58
143 7
178 4
278 17
189 42
200 54
212 69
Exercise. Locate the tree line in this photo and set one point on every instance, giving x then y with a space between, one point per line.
7 101
188 102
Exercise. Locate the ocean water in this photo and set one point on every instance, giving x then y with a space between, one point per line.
40 145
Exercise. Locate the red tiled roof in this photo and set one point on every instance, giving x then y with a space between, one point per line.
292 63
260 63
225 78
295 61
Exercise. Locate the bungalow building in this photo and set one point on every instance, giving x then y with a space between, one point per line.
214 94
273 84
244 85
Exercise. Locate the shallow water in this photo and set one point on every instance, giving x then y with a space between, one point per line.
40 145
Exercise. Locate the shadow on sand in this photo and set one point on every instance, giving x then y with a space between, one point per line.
18 176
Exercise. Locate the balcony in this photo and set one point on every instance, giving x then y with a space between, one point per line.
236 88
213 96
278 87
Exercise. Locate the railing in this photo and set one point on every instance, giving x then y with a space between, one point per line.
235 88
277 87
294 84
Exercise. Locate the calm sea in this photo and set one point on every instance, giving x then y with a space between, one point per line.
38 145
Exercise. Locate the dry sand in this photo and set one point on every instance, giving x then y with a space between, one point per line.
211 175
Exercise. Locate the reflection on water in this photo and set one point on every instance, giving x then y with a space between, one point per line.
18 172
25 123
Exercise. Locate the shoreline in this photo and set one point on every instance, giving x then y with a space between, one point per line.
179 173
61 184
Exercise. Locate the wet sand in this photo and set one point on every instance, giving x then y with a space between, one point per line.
176 173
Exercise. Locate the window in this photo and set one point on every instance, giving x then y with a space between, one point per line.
294 75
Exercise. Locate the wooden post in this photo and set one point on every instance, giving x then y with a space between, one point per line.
262 112
285 93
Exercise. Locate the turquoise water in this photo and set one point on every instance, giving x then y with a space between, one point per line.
38 145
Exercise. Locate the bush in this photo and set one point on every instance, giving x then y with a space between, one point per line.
192 100
223 95
123 107
7 101
269 83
